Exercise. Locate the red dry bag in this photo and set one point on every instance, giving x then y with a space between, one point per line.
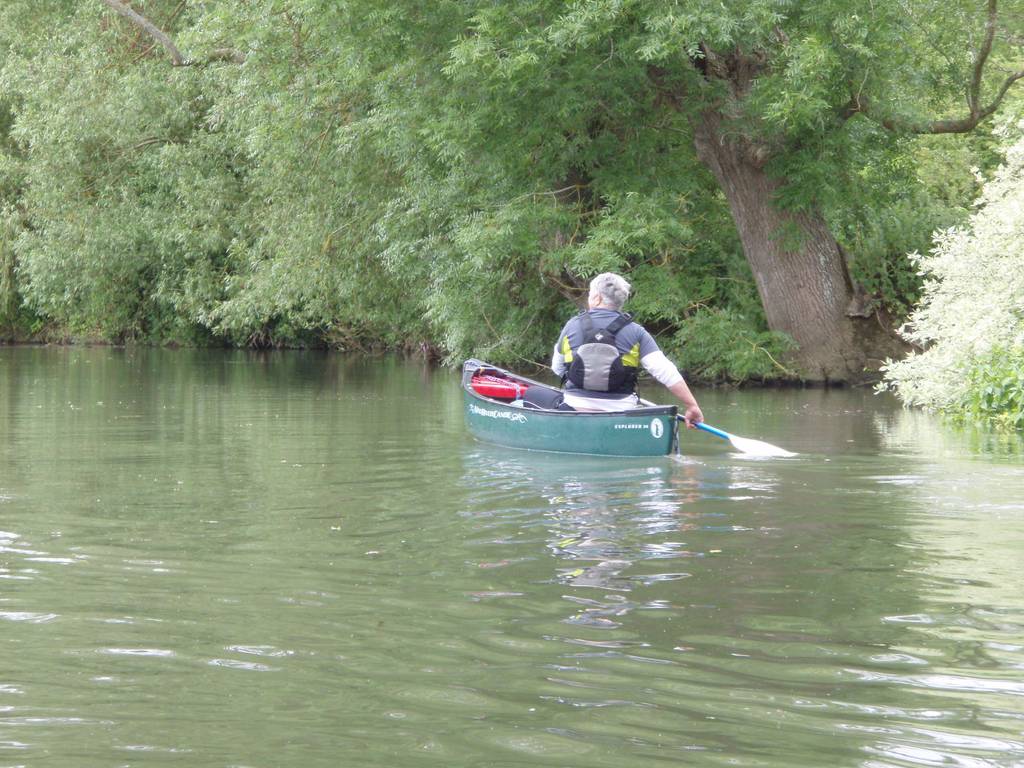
494 386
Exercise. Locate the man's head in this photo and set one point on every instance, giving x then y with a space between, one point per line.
608 291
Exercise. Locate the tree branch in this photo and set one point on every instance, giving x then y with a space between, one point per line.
973 94
149 28
177 60
951 125
976 113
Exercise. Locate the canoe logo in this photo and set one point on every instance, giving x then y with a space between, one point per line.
657 428
514 417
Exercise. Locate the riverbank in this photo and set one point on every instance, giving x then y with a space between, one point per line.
422 352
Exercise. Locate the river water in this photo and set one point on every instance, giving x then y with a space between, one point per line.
298 559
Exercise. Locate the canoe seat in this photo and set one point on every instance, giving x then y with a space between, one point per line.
544 399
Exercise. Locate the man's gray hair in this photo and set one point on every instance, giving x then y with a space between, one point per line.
612 288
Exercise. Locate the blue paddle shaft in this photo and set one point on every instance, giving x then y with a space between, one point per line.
714 431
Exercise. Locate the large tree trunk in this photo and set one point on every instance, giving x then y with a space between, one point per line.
800 271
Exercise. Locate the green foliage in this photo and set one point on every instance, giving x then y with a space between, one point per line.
449 177
994 388
899 194
9 298
723 345
195 204
969 322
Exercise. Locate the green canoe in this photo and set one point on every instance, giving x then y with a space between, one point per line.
494 414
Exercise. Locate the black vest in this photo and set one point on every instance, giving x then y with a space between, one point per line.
597 364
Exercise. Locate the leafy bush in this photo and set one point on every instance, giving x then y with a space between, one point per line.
995 388
723 345
970 321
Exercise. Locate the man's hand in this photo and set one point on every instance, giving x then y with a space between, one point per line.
692 416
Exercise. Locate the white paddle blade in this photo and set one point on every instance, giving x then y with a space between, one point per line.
757 447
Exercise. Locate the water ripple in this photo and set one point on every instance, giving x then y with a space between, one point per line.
422 599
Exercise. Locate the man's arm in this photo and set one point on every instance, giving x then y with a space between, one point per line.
692 414
557 362
662 369
558 354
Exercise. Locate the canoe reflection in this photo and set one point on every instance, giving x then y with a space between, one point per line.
611 525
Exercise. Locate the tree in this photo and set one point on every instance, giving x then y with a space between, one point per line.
199 200
306 171
969 324
777 100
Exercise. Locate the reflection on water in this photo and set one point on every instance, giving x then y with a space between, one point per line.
927 436
297 559
785 595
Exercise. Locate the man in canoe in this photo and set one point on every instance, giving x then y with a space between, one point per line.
600 351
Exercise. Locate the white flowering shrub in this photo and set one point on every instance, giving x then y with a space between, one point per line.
970 320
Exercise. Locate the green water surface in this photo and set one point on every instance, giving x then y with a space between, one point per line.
301 559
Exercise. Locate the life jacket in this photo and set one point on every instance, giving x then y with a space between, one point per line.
596 364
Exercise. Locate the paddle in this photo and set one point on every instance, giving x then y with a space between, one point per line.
744 444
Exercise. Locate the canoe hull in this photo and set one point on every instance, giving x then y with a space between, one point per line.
637 432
